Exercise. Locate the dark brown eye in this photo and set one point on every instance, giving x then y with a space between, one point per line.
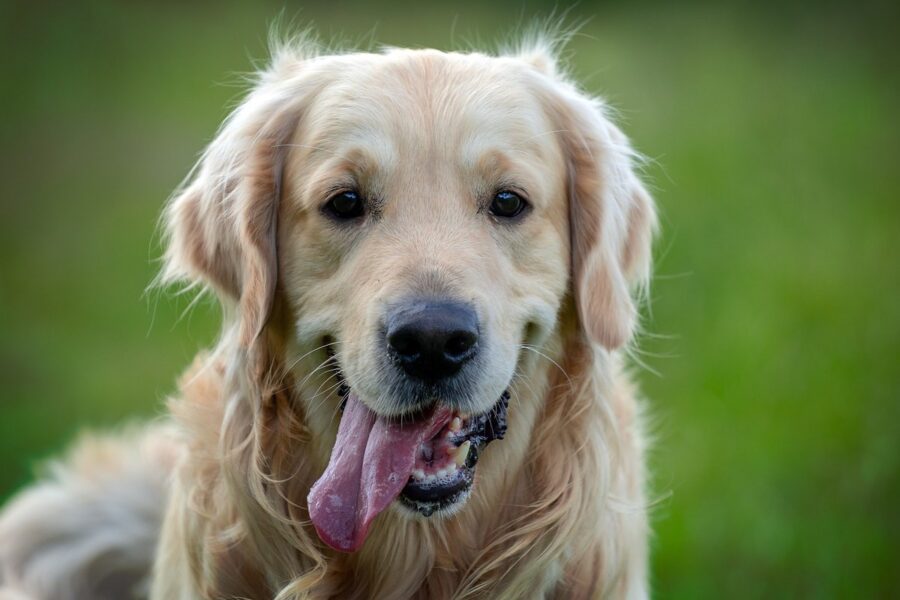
507 205
345 205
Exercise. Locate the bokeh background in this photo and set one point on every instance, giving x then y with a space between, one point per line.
771 361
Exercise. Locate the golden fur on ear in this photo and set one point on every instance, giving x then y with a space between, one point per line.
611 215
221 227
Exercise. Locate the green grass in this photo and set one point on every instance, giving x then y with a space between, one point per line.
775 324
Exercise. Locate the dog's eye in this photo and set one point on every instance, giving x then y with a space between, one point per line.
507 205
345 205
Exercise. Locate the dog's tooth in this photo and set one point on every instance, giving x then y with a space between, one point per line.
443 473
418 474
462 453
455 424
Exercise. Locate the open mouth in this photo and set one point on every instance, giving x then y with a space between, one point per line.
444 469
427 463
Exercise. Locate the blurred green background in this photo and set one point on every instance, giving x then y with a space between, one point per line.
775 325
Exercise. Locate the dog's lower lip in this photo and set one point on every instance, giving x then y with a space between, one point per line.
439 491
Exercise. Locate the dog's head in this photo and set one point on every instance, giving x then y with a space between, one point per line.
420 218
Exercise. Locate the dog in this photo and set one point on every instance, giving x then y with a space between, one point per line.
429 265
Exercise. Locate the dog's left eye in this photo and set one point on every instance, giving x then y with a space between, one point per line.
507 205
345 205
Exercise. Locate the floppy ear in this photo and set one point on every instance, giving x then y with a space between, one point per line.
611 216
222 225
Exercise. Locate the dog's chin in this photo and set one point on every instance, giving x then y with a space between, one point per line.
422 510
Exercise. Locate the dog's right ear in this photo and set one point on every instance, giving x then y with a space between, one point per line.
221 227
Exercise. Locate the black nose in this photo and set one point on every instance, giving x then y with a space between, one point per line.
432 339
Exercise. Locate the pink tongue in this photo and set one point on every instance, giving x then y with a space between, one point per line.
370 464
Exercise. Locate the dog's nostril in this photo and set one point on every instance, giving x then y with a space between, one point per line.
460 343
404 343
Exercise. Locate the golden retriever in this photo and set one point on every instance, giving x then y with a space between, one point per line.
428 264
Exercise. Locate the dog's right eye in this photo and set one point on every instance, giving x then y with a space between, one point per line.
345 205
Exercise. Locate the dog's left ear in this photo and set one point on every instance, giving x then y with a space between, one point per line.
222 227
612 218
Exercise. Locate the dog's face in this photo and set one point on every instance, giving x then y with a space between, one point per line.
424 228
422 216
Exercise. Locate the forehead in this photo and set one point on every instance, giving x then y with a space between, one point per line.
461 109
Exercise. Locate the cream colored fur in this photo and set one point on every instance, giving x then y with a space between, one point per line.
558 509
